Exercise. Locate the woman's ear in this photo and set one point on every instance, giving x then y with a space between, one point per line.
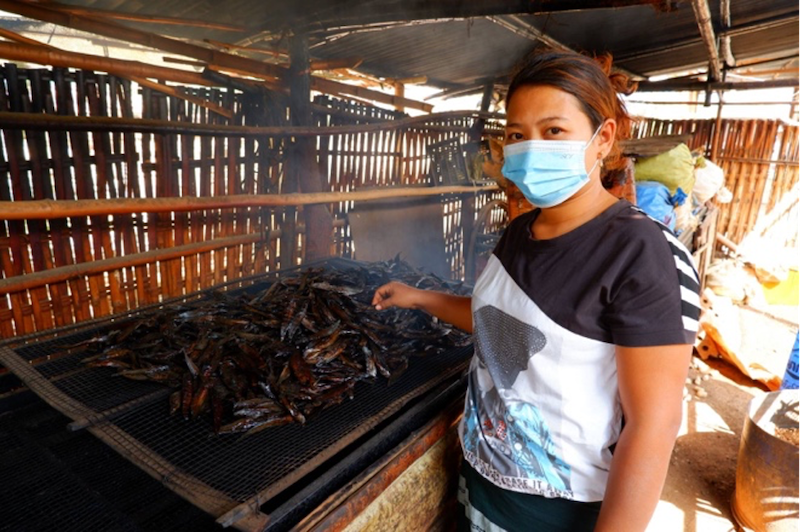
606 136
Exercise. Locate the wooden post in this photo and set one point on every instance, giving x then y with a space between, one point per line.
303 167
400 92
717 127
486 101
468 211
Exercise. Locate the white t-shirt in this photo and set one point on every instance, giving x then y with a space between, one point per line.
542 412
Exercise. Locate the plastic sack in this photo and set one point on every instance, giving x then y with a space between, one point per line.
708 180
728 278
674 168
685 219
655 199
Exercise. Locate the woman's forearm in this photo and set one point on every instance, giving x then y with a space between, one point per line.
638 470
453 309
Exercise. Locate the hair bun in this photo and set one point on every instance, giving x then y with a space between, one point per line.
620 82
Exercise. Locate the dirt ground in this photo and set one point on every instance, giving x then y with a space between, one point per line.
702 475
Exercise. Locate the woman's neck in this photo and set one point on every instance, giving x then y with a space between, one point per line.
585 205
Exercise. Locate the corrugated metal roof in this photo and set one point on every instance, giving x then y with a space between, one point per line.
448 53
463 53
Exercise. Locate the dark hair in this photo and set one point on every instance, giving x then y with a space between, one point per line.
589 80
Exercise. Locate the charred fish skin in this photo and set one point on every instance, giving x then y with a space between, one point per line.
248 362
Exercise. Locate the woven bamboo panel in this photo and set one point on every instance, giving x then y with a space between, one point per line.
177 253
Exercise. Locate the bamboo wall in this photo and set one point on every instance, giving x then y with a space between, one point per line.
760 160
144 258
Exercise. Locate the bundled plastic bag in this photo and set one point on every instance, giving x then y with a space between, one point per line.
655 199
686 219
674 168
708 180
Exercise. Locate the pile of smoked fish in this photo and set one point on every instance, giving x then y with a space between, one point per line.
253 361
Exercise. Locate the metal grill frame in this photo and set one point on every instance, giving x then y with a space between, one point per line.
244 515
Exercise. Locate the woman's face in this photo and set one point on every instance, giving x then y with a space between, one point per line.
543 112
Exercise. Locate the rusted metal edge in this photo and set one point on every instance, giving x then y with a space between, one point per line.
341 508
252 504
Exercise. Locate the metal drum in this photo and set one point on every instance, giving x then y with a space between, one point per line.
766 494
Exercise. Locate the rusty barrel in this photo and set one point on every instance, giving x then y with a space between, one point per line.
766 494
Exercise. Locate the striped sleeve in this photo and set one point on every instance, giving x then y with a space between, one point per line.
689 284
658 299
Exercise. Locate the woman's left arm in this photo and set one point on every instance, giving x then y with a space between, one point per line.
651 381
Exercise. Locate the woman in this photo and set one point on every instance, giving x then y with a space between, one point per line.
584 316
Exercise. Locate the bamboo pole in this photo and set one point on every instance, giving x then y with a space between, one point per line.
53 14
50 209
172 91
210 56
81 123
149 19
56 275
36 53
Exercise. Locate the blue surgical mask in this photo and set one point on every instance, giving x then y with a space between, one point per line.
548 172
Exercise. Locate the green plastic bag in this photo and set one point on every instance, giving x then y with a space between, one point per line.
674 168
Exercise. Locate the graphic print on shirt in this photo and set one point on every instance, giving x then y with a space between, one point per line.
517 430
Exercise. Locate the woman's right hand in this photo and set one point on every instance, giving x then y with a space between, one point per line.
396 294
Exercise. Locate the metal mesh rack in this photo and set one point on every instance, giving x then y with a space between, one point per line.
228 476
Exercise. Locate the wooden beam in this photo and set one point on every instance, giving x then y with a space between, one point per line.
231 46
52 209
35 121
303 171
680 44
212 57
149 19
60 58
714 155
703 16
180 61
399 91
334 64
725 49
668 86
123 33
332 87
768 71
144 82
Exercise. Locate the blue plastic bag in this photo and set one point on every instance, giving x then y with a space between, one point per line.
654 199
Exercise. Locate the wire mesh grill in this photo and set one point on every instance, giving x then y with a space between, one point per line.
217 473
59 492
